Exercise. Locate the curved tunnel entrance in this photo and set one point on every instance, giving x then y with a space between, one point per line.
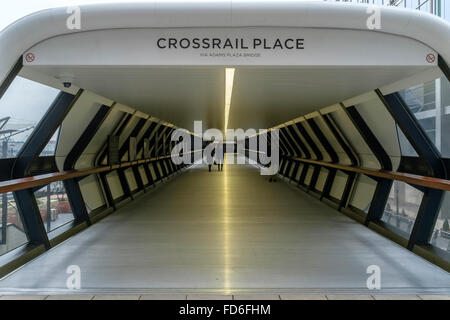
93 121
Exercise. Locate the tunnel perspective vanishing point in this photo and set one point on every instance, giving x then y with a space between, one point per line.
332 123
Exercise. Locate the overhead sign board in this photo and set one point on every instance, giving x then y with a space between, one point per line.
230 46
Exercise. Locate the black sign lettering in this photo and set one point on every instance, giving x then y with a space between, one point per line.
158 43
231 43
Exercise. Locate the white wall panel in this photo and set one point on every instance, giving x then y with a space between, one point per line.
131 179
141 134
370 161
326 156
98 141
91 192
291 170
165 166
74 124
299 172
383 127
313 155
294 142
152 171
366 157
171 165
143 175
321 179
128 129
363 192
158 167
309 174
114 184
338 185
343 157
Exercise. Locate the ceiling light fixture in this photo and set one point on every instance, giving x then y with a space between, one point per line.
229 79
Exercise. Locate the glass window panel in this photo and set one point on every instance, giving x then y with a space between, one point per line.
430 103
50 148
21 108
54 206
12 233
420 98
441 8
402 206
405 147
441 235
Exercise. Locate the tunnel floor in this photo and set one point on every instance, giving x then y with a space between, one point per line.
226 232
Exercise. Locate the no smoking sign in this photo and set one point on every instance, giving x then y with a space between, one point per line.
431 58
29 57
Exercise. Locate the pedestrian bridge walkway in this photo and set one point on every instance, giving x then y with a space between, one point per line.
229 232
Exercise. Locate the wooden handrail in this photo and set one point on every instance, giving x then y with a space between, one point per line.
31 182
424 181
43 179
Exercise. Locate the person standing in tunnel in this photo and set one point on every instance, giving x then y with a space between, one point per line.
220 156
209 154
213 154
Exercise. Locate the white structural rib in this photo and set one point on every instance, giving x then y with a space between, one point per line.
17 38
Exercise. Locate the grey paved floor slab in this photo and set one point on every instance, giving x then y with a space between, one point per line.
256 297
434 297
209 297
116 297
23 297
303 297
70 297
396 297
225 232
163 297
349 297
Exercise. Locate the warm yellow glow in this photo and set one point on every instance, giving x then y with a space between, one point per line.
229 80
227 233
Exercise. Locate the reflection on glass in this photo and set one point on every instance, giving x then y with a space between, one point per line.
402 206
12 232
430 104
54 205
50 148
439 8
21 108
441 234
405 146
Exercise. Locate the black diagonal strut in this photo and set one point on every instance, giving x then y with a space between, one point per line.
383 188
25 199
432 198
72 185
